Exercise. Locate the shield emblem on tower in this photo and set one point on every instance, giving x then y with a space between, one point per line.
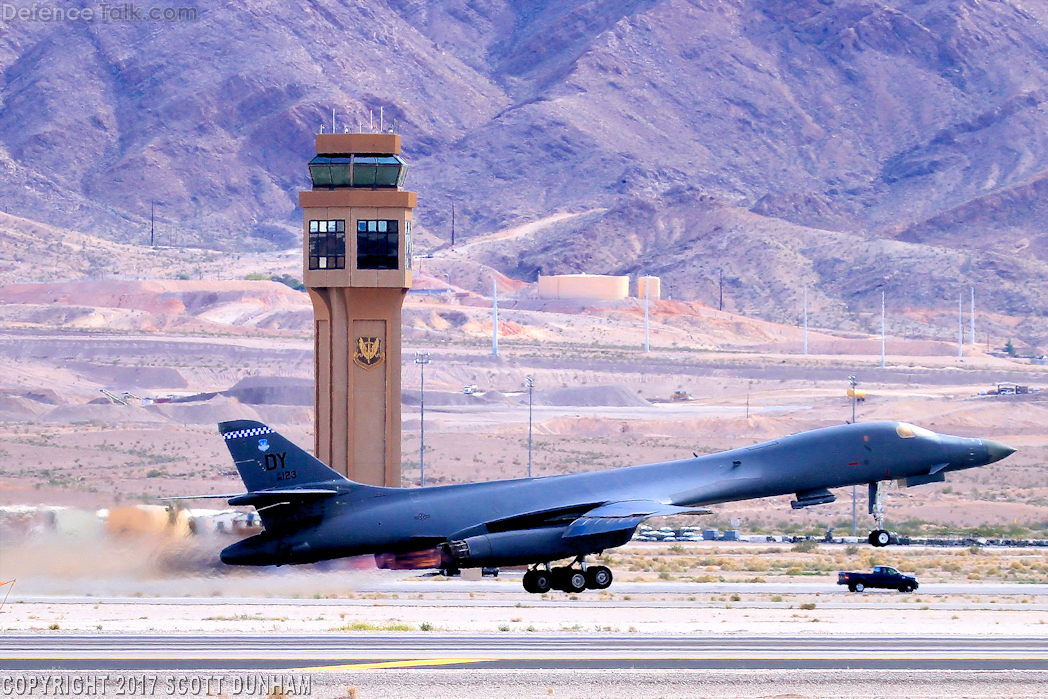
368 353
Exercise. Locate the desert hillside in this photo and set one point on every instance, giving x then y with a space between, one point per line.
850 145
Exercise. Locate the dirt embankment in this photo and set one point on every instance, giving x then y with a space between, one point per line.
160 305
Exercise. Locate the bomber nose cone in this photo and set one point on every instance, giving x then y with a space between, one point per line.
995 451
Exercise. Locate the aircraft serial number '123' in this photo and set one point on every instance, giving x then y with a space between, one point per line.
286 475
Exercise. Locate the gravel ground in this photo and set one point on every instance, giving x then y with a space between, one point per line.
576 684
873 613
667 684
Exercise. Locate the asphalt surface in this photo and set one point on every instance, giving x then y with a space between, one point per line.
510 586
347 652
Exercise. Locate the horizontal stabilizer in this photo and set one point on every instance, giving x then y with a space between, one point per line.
211 496
262 497
623 515
266 497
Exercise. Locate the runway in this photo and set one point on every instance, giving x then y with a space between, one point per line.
509 585
563 651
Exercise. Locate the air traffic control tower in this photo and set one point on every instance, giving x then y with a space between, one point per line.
357 268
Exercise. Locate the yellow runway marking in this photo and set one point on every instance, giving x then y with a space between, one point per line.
397 663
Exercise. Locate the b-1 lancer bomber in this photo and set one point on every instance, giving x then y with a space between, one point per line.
311 513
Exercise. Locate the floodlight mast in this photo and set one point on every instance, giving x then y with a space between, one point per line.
494 317
805 319
973 316
853 382
647 304
854 520
530 381
882 328
422 359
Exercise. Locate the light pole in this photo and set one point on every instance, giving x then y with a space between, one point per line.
530 381
647 303
853 382
882 329
422 359
805 319
973 316
494 317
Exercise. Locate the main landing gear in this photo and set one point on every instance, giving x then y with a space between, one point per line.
879 537
567 579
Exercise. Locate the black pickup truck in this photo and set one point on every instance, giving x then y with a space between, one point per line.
882 576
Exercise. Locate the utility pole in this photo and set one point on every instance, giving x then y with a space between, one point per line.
973 317
494 317
151 226
530 381
960 325
452 225
882 328
422 359
647 304
805 319
853 382
854 521
720 286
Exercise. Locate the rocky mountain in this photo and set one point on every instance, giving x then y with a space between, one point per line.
850 145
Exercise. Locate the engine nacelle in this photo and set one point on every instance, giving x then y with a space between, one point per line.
528 546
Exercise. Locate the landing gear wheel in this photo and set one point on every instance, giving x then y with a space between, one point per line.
598 578
859 587
569 579
538 582
879 538
529 581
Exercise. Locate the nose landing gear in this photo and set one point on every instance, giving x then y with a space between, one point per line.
567 578
879 537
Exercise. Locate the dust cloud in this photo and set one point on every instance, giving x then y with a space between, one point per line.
51 563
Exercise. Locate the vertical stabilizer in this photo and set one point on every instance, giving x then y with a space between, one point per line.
267 460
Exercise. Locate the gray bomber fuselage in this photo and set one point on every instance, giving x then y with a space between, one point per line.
378 520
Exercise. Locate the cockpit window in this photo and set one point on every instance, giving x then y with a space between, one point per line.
908 431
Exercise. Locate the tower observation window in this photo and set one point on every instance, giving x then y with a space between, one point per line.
378 245
327 244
